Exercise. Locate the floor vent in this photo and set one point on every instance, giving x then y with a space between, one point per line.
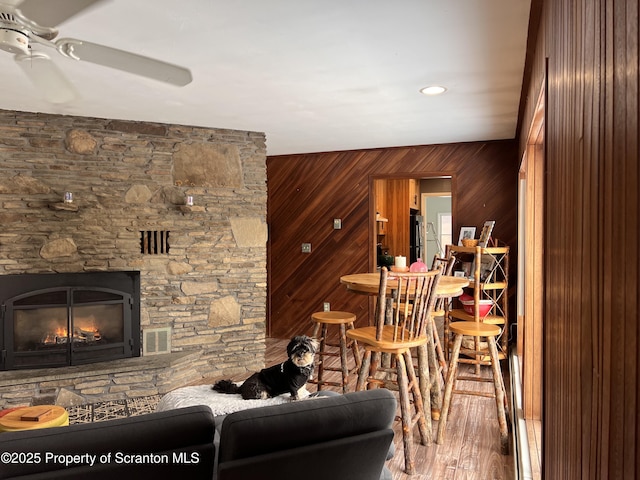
156 341
154 242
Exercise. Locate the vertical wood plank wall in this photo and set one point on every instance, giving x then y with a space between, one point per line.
398 226
591 394
306 192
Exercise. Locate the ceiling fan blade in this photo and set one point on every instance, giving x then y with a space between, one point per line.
47 77
49 13
125 61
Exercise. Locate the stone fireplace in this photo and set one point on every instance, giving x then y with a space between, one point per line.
202 267
55 320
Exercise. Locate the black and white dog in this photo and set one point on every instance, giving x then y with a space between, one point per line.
288 377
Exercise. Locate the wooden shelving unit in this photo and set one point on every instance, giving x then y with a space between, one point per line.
489 279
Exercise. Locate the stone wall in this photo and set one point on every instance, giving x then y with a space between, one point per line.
133 177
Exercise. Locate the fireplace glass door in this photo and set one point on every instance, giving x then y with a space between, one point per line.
68 326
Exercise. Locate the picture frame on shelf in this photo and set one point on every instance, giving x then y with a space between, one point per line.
487 267
485 235
466 232
467 269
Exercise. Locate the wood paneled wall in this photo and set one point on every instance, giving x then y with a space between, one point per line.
591 359
306 192
397 211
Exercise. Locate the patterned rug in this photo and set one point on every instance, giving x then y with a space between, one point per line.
100 411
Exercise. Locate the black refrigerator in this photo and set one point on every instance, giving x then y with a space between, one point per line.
415 238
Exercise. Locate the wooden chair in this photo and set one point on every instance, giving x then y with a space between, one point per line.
443 263
440 308
475 329
344 320
402 322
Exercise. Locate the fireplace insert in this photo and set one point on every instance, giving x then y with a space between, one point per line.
54 320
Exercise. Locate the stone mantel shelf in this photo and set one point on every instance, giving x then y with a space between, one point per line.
63 206
191 208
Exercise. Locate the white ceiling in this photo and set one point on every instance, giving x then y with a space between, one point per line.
313 75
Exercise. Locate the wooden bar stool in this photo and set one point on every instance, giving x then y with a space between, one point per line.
402 323
440 309
475 329
344 320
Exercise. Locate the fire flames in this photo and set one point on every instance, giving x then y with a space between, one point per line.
81 334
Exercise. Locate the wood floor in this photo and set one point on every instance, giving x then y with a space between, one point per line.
472 448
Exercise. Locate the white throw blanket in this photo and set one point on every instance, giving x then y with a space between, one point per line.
220 403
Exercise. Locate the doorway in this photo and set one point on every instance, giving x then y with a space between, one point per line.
412 217
438 225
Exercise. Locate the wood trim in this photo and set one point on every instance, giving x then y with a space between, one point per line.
532 320
534 286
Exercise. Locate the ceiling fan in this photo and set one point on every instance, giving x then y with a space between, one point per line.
31 23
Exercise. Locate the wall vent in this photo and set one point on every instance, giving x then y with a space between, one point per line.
156 341
154 242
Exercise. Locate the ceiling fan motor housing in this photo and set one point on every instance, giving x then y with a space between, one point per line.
13 40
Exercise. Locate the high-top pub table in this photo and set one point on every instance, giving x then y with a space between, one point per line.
369 283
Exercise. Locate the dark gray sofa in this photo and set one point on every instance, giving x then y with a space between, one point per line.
180 440
337 437
341 437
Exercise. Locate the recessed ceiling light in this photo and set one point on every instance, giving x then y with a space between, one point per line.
433 90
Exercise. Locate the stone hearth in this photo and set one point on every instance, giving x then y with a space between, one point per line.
98 382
